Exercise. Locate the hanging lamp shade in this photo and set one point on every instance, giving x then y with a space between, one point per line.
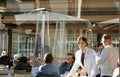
3 4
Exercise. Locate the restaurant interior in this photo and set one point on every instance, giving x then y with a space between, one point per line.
40 26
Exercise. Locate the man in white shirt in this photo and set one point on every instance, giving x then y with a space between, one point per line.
88 66
107 57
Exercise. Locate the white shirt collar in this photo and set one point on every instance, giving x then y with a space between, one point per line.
84 50
108 46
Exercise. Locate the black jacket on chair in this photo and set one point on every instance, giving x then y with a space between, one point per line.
5 60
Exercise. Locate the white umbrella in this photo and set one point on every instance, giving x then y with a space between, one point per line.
42 15
111 21
52 17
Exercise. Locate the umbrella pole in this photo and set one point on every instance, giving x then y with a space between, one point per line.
79 8
36 40
43 36
37 4
55 40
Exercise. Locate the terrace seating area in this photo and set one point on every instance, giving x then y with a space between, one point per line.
31 28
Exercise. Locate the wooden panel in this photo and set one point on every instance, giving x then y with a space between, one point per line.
99 5
8 19
9 42
98 1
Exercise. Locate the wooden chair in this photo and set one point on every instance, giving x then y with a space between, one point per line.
22 73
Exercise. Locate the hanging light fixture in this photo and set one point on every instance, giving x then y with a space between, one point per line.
28 31
3 4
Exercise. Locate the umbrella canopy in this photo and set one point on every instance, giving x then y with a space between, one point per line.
50 16
111 21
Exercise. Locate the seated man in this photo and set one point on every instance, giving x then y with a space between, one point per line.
67 65
48 68
22 64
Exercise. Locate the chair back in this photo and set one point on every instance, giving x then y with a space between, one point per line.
22 75
21 72
46 76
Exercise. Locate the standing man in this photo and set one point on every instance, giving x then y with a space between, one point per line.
107 57
84 58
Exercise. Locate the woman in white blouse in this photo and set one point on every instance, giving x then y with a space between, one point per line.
89 66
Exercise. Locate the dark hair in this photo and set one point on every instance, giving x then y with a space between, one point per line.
23 59
70 54
48 58
81 38
106 36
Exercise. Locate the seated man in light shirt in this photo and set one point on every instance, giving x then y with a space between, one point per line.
107 58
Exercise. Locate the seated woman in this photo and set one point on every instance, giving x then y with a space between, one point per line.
16 58
4 59
48 68
14 61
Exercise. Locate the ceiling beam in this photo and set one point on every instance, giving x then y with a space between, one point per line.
109 27
106 31
115 27
98 1
83 0
85 3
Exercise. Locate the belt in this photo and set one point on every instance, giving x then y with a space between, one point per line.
86 74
